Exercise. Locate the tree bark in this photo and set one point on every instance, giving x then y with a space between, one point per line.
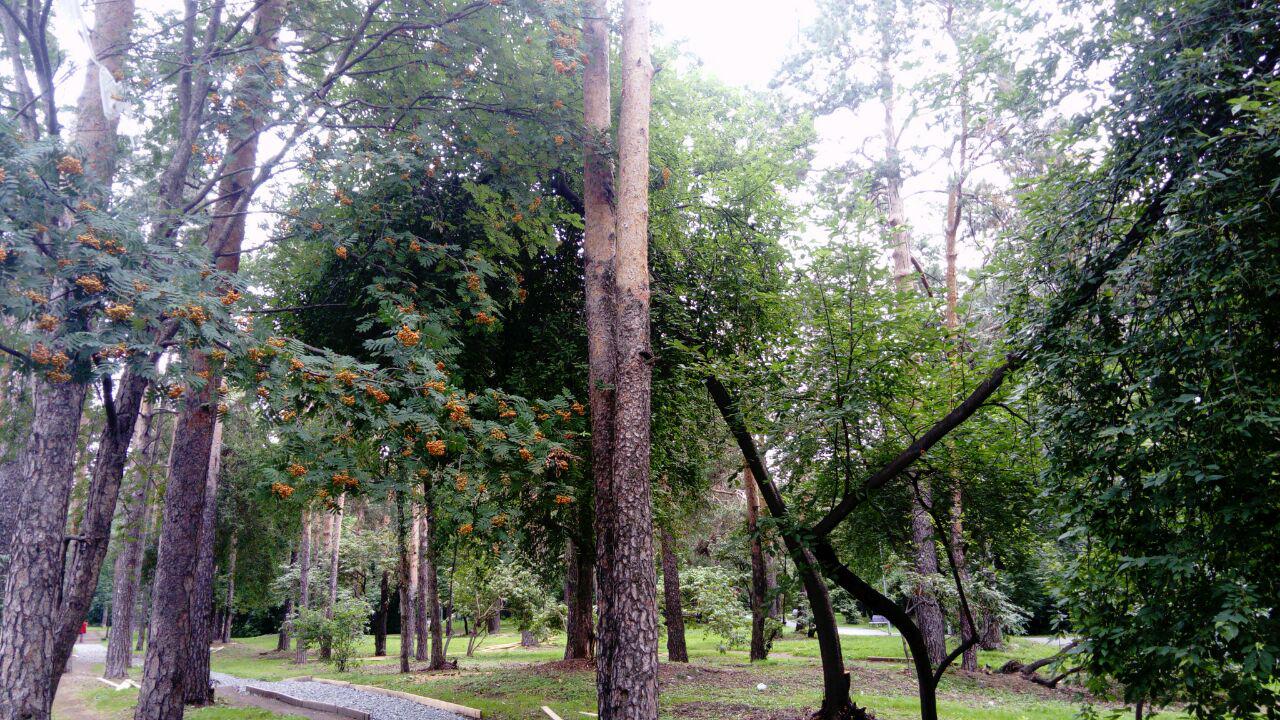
579 596
29 626
421 606
228 604
198 689
992 630
165 666
627 663
599 238
282 639
926 609
406 584
759 574
334 545
380 617
304 581
673 604
427 576
132 537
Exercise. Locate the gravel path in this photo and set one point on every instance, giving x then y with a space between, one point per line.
379 707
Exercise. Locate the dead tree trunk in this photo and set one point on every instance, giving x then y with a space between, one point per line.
677 651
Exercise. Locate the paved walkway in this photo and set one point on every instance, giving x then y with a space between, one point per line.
235 689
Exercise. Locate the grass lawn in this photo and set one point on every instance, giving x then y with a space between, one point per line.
511 683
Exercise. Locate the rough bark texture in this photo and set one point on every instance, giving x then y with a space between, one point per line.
598 259
427 576
132 539
198 690
992 630
579 596
164 670
81 575
925 607
304 579
229 600
627 662
759 574
282 638
380 616
406 585
31 620
421 605
673 607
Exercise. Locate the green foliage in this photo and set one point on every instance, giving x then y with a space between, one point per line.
340 631
710 596
1160 408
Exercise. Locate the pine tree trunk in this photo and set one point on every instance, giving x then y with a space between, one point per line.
166 663
198 690
673 604
132 537
403 540
380 618
31 620
81 574
599 240
627 664
304 582
759 574
228 605
579 594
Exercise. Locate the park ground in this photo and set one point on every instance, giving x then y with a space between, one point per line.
508 682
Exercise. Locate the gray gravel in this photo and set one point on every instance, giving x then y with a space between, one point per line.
379 707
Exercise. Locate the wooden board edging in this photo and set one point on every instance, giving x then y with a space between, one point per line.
309 704
462 710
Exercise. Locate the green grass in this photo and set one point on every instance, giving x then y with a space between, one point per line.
513 683
118 705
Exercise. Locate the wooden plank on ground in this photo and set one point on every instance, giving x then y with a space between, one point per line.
462 710
551 713
309 704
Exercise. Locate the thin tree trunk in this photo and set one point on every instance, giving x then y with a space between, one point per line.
403 534
677 651
198 689
627 664
334 545
380 618
427 575
414 600
759 574
304 581
926 608
228 605
132 537
599 240
992 629
579 593
282 640
421 605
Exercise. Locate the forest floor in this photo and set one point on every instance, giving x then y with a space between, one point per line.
509 682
